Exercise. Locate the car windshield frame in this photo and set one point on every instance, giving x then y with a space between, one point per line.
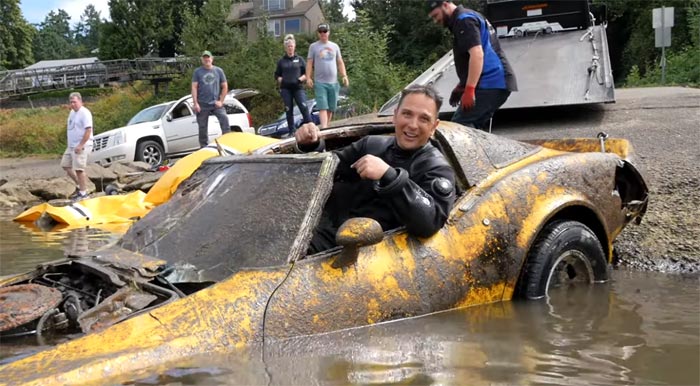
216 224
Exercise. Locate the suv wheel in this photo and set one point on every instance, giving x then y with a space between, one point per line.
150 152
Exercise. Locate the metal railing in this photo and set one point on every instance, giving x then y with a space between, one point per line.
23 82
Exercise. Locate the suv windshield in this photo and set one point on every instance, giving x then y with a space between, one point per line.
218 223
149 115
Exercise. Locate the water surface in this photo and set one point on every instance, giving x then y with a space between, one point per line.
640 328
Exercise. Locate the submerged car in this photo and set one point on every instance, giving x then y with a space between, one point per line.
223 264
167 130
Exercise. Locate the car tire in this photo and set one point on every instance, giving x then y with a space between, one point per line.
236 129
548 30
150 152
518 33
564 253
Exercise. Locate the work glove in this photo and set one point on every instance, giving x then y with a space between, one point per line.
456 95
468 98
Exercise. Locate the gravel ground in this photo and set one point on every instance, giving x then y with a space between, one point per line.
663 125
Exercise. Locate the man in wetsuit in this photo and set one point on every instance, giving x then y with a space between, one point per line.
399 181
485 76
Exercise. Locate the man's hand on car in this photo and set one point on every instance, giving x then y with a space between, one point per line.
370 167
308 133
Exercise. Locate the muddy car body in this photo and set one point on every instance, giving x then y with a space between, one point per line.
232 270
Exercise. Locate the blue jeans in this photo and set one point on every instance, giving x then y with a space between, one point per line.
203 123
288 97
487 102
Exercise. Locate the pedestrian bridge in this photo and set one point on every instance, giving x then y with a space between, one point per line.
15 83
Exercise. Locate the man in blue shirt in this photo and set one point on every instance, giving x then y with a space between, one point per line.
485 76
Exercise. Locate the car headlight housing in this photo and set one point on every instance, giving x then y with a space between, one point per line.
119 137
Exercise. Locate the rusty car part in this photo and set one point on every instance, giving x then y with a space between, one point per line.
22 304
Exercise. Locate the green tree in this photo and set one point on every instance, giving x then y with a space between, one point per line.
413 39
631 38
54 39
374 78
15 36
87 31
207 28
138 28
333 11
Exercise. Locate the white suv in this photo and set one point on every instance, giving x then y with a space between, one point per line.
165 130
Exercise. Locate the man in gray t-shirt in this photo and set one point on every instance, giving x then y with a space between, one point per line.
209 88
322 66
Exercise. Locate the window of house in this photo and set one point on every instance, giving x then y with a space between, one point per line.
273 5
275 27
292 26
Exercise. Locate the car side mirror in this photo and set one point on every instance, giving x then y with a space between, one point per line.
352 235
168 117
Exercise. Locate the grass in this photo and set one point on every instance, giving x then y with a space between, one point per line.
42 130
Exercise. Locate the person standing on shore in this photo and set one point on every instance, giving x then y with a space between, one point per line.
79 132
209 89
291 75
323 63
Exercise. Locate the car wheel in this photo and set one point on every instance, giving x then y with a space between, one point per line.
236 129
548 30
518 33
565 253
150 152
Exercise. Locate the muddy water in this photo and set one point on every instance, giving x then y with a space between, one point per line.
640 328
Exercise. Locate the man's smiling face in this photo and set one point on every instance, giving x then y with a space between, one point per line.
415 121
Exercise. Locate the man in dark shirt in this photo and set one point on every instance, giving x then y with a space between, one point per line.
399 181
485 76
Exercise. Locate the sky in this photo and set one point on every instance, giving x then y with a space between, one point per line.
35 11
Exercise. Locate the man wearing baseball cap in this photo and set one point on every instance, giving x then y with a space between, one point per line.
322 66
485 76
209 88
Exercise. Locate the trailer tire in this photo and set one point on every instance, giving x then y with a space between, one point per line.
564 253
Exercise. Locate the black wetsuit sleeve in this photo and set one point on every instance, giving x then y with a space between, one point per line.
421 201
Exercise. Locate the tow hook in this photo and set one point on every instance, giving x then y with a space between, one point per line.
602 136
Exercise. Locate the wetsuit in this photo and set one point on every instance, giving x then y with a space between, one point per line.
416 192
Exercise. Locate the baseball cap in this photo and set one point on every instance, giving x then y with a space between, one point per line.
206 53
324 27
432 4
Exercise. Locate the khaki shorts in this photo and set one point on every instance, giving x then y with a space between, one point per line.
75 161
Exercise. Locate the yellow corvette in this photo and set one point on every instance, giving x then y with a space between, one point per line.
229 266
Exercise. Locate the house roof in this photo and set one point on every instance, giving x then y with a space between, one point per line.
61 63
256 13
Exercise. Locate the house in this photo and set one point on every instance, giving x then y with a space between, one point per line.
282 16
